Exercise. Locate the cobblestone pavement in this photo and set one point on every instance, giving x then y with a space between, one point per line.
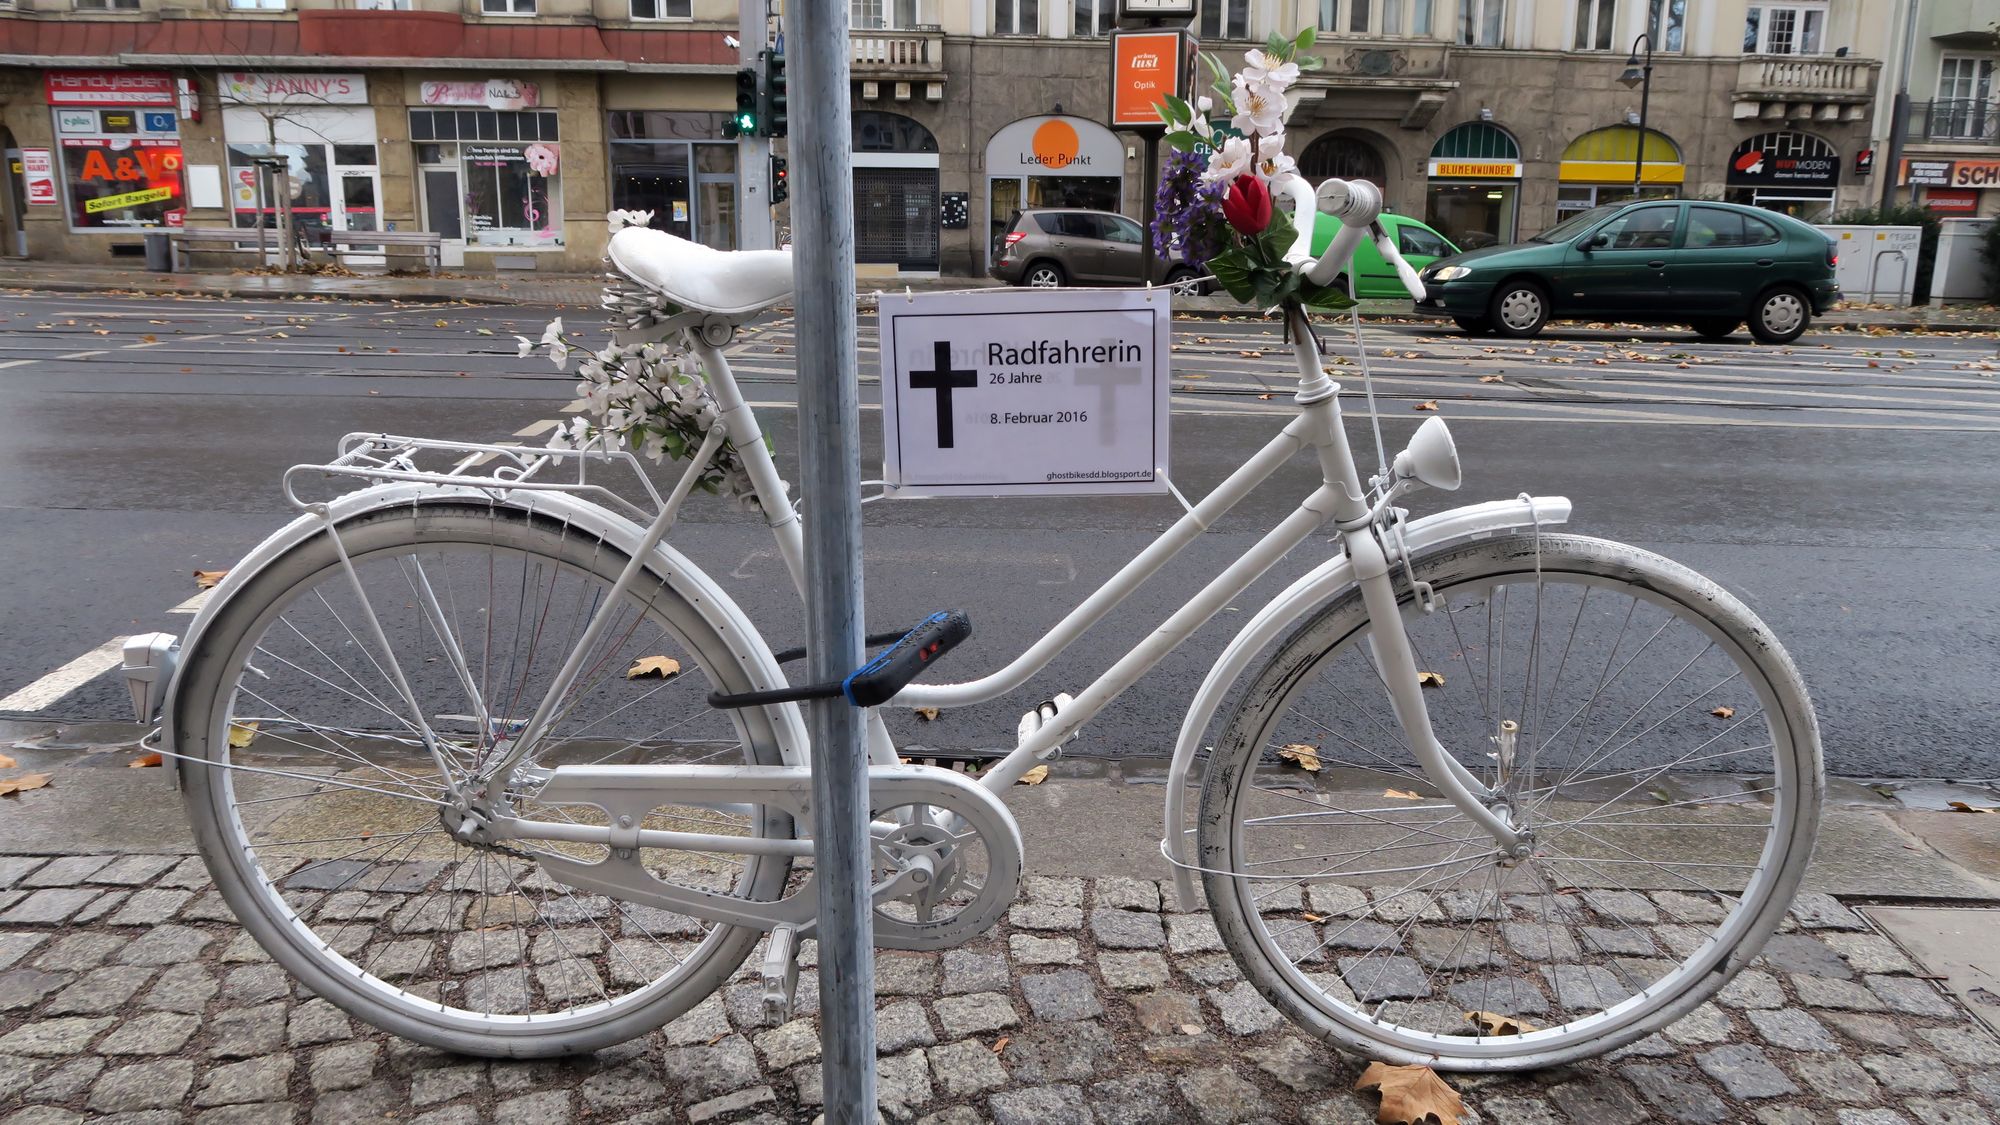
128 993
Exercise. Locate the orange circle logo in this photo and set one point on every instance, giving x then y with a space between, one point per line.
1055 143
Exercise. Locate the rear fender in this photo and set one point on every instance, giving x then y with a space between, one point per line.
1330 578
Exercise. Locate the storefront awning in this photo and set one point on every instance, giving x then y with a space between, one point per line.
1605 156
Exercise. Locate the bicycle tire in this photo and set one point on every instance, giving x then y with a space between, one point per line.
381 955
1393 1006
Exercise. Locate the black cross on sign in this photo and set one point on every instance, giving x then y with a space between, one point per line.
943 378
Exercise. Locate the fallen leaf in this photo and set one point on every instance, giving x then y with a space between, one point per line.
1431 405
1601 362
1267 396
150 338
927 714
1000 1044
1251 354
484 331
1961 806
1402 794
23 783
659 667
144 760
1311 917
206 579
1034 776
242 735
1299 754
1411 1095
1492 378
102 331
1430 679
1724 712
1493 1023
7 763
442 323
1194 376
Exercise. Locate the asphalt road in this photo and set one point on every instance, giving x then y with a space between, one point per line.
1841 485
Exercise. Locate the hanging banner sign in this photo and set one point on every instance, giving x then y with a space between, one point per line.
38 172
1026 392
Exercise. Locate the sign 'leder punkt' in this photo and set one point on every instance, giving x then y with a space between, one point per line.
1025 393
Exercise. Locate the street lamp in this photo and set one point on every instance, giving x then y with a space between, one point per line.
1639 74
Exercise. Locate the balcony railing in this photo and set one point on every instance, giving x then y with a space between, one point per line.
1805 77
903 53
1956 121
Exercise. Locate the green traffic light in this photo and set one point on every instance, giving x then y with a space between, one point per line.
746 122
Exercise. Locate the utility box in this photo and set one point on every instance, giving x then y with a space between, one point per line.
1960 272
159 252
1877 264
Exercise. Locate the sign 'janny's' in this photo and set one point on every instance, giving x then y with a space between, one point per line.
1013 393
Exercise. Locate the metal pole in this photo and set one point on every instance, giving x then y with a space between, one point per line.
1645 100
830 468
1899 112
753 153
1149 185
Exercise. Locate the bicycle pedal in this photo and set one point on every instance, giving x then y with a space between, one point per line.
781 974
1042 715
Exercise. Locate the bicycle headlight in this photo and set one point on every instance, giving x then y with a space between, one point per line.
1451 273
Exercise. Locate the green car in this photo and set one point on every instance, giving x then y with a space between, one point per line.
1708 265
1419 245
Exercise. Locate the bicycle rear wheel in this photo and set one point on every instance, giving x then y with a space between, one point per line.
1643 725
317 806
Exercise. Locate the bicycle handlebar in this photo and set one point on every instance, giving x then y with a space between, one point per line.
1358 205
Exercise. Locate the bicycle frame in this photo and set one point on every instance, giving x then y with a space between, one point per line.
1340 499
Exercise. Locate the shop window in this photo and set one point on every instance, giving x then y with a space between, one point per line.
890 132
302 185
1783 29
1346 158
1017 17
1481 22
1225 19
507 7
115 183
1666 23
1095 18
509 168
1593 24
662 9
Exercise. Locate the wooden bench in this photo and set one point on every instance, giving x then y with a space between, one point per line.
243 240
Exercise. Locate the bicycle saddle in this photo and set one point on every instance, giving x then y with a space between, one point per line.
700 277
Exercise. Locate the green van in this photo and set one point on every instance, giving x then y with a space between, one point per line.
1419 245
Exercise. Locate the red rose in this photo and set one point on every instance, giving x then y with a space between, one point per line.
1248 205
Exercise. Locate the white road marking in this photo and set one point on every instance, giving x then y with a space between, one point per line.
66 679
537 429
79 355
16 363
193 604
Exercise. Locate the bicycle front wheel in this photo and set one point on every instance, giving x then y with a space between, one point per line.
321 812
1635 718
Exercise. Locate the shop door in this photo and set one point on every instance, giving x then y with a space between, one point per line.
17 206
896 217
355 208
1004 200
444 212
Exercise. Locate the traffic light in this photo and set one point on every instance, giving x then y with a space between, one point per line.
781 182
776 124
743 123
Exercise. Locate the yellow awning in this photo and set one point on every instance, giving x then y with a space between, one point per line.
1605 156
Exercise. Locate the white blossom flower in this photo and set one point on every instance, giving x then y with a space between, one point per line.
553 333
1267 70
559 354
1260 108
1200 127
1271 159
1204 104
527 347
1229 161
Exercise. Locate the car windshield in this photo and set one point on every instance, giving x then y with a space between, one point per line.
1575 223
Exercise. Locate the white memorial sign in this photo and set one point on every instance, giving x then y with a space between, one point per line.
1025 392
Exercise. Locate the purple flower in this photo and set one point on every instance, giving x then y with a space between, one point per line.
1187 213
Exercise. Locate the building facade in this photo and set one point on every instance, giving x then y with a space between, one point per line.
1951 154
511 126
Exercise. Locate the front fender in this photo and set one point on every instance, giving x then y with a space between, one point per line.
746 644
1475 521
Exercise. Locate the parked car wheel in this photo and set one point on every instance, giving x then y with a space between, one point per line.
1043 275
1716 329
1519 309
1185 284
1781 316
1474 325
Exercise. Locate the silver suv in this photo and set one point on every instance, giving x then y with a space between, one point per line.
1051 247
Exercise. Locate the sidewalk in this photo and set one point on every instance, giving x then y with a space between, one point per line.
127 988
571 289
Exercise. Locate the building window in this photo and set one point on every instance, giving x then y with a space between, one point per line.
509 165
1666 22
1964 107
1225 19
1593 24
257 5
507 7
1094 18
1480 22
107 5
121 167
1783 29
1420 22
662 9
1017 17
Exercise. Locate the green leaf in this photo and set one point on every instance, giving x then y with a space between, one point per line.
1181 140
1277 45
1233 270
1182 111
1305 38
1309 62
1327 298
1216 68
1278 237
